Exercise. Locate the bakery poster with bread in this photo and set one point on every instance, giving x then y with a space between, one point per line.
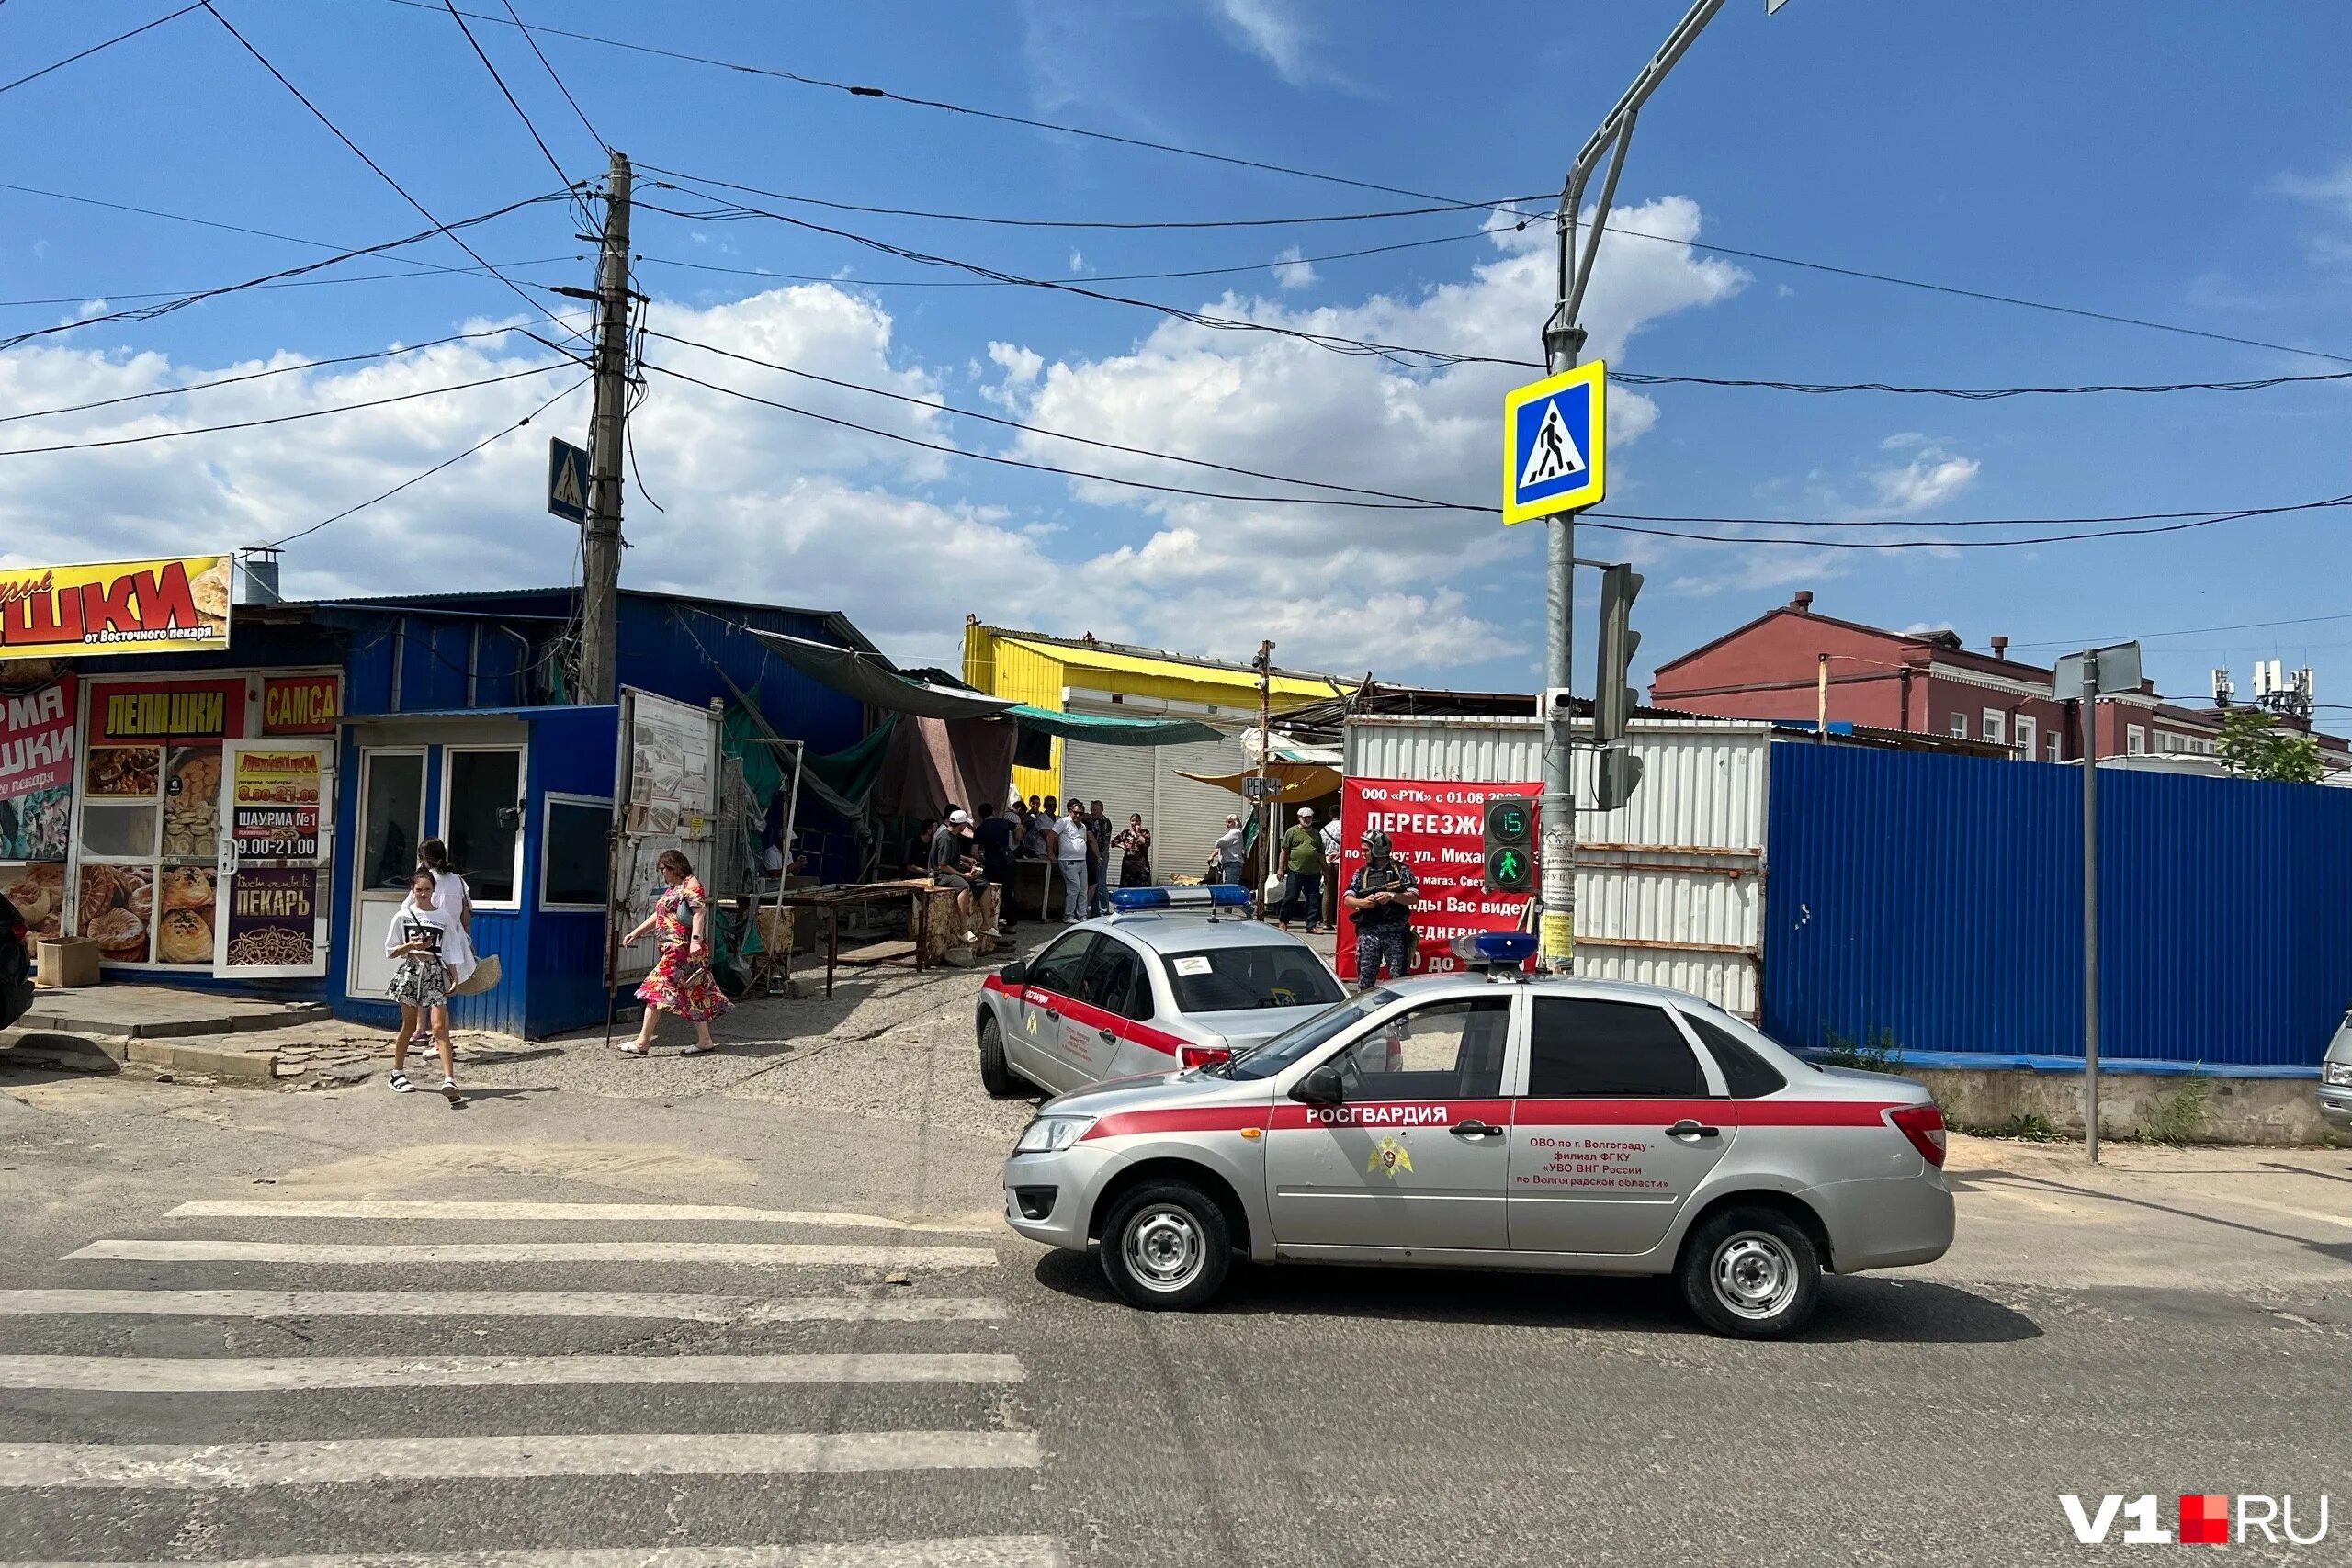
115 607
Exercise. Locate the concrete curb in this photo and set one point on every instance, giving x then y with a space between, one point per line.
54 1012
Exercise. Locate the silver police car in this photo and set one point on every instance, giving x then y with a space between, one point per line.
1557 1124
1174 978
2336 1080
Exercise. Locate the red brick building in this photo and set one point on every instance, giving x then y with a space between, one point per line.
1924 682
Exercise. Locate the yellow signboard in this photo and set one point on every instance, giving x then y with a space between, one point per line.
54 612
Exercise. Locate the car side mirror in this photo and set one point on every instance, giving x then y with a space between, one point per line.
1322 1085
1015 973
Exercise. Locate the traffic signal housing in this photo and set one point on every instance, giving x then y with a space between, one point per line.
1613 698
1510 844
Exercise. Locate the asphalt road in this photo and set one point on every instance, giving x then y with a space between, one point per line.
2171 1324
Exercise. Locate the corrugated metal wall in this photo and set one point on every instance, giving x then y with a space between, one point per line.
1941 898
1669 887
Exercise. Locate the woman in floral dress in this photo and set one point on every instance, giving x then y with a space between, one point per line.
1135 865
682 982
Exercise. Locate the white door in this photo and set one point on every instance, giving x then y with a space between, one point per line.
391 824
276 842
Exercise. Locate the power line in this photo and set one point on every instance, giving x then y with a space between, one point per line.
883 94
1403 357
110 294
417 262
2200 520
2186 631
95 48
515 104
940 104
181 302
495 435
1417 501
593 133
1097 277
1978 394
261 375
316 113
282 418
1505 204
1048 468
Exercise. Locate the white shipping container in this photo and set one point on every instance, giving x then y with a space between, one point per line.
1670 885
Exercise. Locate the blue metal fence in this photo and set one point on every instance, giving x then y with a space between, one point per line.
1938 899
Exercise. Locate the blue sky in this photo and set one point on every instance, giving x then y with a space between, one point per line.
2180 161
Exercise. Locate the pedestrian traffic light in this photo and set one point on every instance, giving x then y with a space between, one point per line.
1613 699
1511 845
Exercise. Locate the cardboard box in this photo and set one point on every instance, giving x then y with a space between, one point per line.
67 961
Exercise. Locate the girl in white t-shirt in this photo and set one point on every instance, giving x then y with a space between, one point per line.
449 889
434 956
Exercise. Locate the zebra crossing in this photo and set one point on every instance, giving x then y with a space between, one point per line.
497 1400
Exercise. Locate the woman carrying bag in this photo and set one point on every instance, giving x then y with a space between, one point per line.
682 981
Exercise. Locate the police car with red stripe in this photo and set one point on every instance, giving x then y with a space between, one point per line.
1496 1120
1150 988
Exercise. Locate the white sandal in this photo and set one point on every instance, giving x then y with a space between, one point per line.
628 1050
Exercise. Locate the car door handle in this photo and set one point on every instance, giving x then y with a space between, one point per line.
1474 1128
1686 1128
1108 1036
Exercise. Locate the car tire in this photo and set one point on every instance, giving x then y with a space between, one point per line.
1165 1247
1751 1273
997 1076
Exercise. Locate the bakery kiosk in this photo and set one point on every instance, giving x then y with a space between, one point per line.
203 827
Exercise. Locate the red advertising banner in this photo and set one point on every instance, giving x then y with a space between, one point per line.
1438 830
36 738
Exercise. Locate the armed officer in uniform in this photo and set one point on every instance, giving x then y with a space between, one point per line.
1381 896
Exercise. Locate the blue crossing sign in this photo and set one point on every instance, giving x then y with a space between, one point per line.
567 480
1554 432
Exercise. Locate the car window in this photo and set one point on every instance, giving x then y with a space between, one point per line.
1308 1034
1745 1073
1061 966
1236 979
1113 980
1582 1045
1450 1050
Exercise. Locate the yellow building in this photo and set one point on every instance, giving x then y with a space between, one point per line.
1104 679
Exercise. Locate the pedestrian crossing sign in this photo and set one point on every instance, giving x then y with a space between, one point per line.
1554 433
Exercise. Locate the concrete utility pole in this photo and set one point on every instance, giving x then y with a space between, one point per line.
600 546
2090 906
1563 343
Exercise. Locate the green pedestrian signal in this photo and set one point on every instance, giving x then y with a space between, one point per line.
1511 834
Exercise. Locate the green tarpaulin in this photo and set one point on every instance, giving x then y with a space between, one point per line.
1105 730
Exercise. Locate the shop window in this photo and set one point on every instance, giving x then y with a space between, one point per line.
573 854
392 796
482 806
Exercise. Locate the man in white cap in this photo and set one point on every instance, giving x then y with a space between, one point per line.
1303 863
953 864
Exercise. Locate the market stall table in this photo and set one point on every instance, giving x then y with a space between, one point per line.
919 893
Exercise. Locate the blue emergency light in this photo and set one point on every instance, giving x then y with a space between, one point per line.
1496 949
1216 896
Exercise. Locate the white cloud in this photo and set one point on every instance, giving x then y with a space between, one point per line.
1077 261
1020 368
2332 190
1271 30
1290 272
1932 475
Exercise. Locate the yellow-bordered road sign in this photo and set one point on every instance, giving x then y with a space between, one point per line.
1555 435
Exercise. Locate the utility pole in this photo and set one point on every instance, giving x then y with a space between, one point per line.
1563 343
600 545
2090 906
1265 662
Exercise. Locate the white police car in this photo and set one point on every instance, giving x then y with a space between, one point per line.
1174 978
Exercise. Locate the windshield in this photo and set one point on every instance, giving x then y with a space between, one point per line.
1304 1036
1243 979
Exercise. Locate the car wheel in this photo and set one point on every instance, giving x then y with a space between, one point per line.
1165 1247
996 1076
1751 1273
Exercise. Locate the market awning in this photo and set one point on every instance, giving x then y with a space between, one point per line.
1108 729
1300 781
874 680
